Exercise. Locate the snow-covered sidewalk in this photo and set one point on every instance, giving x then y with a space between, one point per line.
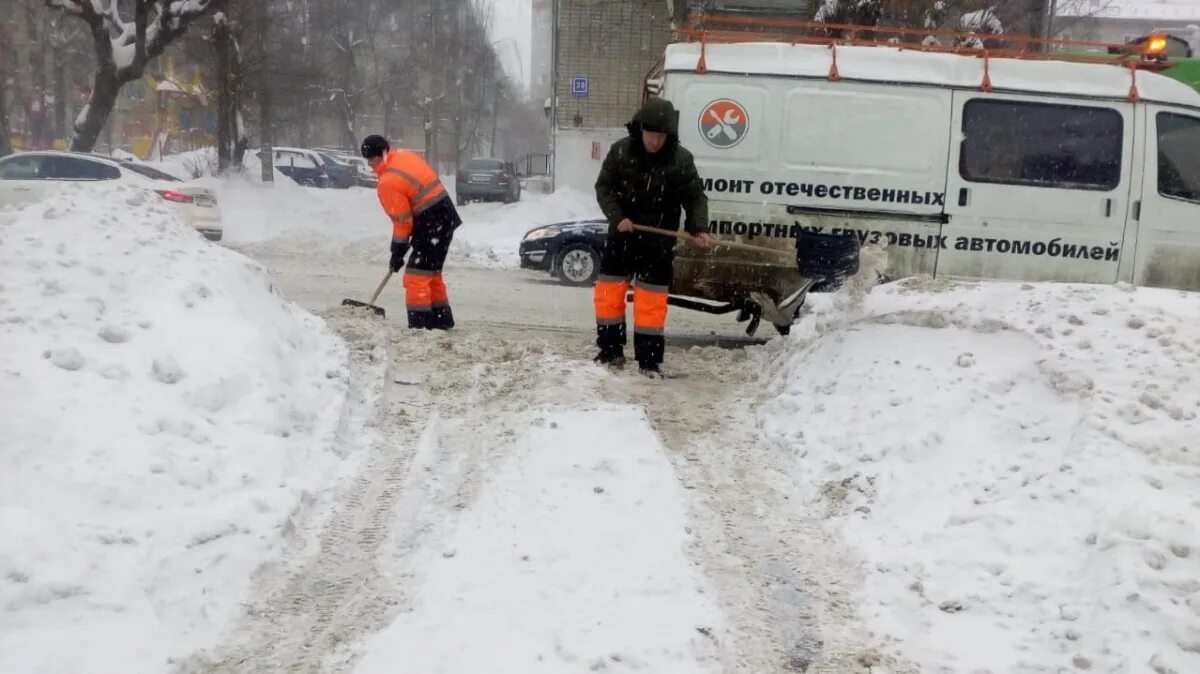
571 559
164 412
1017 467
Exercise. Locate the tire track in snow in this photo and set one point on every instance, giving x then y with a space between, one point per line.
324 590
428 452
780 574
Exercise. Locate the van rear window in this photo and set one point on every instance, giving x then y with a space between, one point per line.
1042 145
1179 156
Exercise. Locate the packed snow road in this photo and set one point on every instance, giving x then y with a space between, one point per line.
524 510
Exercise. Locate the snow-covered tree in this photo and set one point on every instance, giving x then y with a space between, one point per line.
123 47
862 12
979 23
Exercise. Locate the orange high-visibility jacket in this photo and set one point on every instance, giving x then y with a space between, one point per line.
407 186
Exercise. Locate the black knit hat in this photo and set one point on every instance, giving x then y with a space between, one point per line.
374 146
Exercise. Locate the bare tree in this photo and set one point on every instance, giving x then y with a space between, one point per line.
123 48
6 52
266 119
231 130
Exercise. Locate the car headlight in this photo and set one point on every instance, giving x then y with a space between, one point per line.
539 234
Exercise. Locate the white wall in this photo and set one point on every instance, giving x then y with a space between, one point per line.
574 165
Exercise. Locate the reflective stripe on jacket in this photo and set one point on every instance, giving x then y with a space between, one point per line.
407 186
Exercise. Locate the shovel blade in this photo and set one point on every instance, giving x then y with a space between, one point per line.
355 303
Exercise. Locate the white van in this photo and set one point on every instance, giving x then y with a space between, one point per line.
962 167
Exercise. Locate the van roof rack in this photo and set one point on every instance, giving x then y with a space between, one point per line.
725 29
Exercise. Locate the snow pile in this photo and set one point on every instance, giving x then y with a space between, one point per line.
570 559
1017 467
164 412
194 164
491 235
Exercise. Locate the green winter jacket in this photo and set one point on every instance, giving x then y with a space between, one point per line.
651 189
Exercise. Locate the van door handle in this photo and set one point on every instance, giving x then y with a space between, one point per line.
964 195
1108 208
1137 211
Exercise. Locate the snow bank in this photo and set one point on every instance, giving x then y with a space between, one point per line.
571 559
164 412
1017 467
491 235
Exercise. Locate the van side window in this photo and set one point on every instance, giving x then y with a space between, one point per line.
1179 156
1042 145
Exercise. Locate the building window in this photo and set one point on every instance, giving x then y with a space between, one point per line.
1042 145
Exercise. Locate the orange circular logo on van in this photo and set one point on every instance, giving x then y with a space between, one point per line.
724 123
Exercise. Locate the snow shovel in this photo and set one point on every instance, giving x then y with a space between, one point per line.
727 244
371 305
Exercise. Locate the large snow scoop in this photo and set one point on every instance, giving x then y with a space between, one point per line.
820 257
371 305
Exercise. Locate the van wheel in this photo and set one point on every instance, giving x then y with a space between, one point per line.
461 201
578 265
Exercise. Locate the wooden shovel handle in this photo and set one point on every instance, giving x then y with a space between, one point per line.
380 288
728 244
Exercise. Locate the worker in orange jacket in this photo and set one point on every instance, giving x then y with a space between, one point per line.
423 219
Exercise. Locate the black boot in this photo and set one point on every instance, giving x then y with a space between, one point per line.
443 318
420 320
651 370
611 358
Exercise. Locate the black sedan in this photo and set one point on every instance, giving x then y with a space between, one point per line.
568 250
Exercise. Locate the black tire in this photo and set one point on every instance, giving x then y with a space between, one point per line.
577 264
306 182
461 201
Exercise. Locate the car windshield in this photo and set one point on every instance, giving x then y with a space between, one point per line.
333 159
146 171
485 165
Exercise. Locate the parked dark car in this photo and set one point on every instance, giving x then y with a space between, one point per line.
341 174
364 175
568 250
487 180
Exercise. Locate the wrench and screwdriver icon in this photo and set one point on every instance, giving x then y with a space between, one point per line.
724 126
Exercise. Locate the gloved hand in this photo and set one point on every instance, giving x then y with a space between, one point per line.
398 252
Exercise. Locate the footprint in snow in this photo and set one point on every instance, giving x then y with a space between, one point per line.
68 359
167 370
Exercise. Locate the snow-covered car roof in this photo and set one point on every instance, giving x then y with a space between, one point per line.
891 65
81 155
117 162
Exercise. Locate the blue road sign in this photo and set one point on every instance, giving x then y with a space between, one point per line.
579 87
